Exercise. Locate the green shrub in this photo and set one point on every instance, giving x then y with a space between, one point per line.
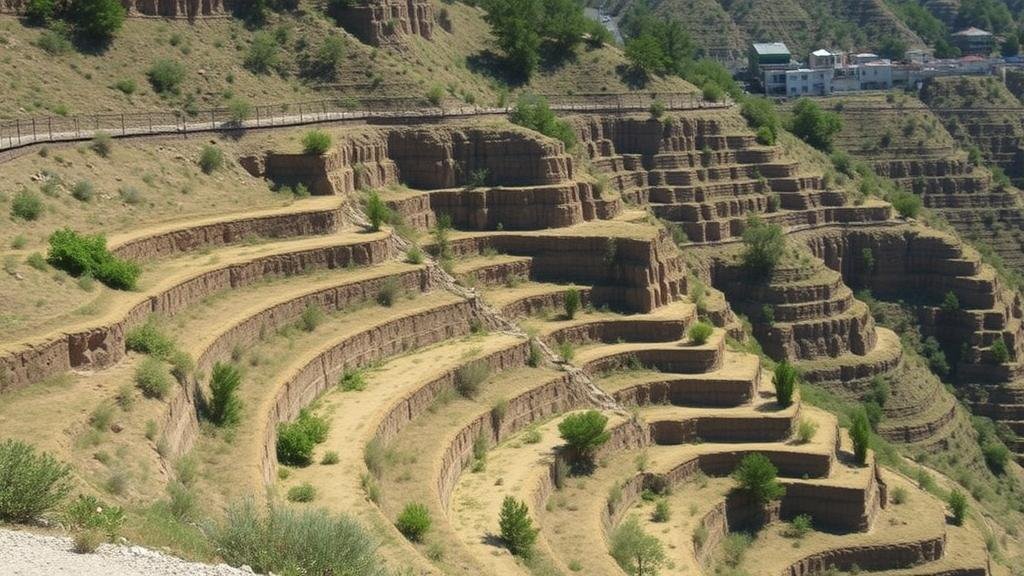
634 550
377 211
662 512
571 303
290 541
388 292
435 95
330 458
166 76
316 142
806 430
323 62
211 159
102 144
225 407
239 110
181 501
764 245
905 203
152 378
148 338
997 456
757 476
414 255
82 191
470 377
262 56
126 86
584 433
950 303
534 113
37 261
90 513
813 125
700 332
958 505
295 440
311 317
55 42
96 20
657 109
517 529
799 527
130 195
899 495
785 381
30 484
1000 352
353 381
40 12
414 521
86 541
566 350
765 136
860 433
535 356
304 492
26 205
79 254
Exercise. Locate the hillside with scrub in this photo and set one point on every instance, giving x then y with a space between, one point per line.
525 302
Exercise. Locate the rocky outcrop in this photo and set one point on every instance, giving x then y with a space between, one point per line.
190 9
381 22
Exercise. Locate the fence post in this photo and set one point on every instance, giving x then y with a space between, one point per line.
17 123
123 131
257 116
78 128
49 124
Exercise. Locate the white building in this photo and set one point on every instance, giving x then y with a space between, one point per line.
809 82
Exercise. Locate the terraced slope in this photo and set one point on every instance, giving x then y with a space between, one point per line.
444 376
919 154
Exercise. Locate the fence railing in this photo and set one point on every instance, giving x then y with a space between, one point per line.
22 132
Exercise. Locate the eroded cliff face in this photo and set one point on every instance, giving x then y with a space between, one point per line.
380 22
189 9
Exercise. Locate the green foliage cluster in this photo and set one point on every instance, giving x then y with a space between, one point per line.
584 433
90 513
516 527
148 338
30 483
534 113
79 254
414 521
635 551
785 381
700 332
860 433
813 125
211 159
26 205
152 377
166 76
757 476
529 30
92 21
225 407
292 541
377 211
958 505
571 303
764 245
316 142
295 440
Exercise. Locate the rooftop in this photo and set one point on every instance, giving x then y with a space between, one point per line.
972 31
771 48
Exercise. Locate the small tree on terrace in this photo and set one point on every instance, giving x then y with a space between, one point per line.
584 432
860 433
764 246
785 381
225 407
377 211
757 476
815 126
572 303
636 552
516 526
96 20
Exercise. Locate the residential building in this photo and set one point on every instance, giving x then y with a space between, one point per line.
768 63
809 82
974 41
825 59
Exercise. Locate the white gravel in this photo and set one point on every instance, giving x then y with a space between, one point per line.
25 554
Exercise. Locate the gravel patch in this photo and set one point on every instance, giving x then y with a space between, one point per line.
25 554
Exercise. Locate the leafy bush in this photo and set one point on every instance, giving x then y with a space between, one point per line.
860 433
377 211
96 20
304 492
166 76
813 125
571 303
262 55
290 541
764 245
37 261
211 159
55 42
126 86
330 458
468 378
905 203
534 113
700 332
414 521
657 109
316 142
634 550
799 527
414 255
225 408
90 513
517 529
152 378
323 62
584 433
311 317
757 476
785 381
388 292
806 430
760 115
79 254
662 512
148 338
82 191
86 541
997 456
353 381
1000 352
102 144
30 483
765 136
899 495
295 440
40 12
958 505
26 205
950 303
239 110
